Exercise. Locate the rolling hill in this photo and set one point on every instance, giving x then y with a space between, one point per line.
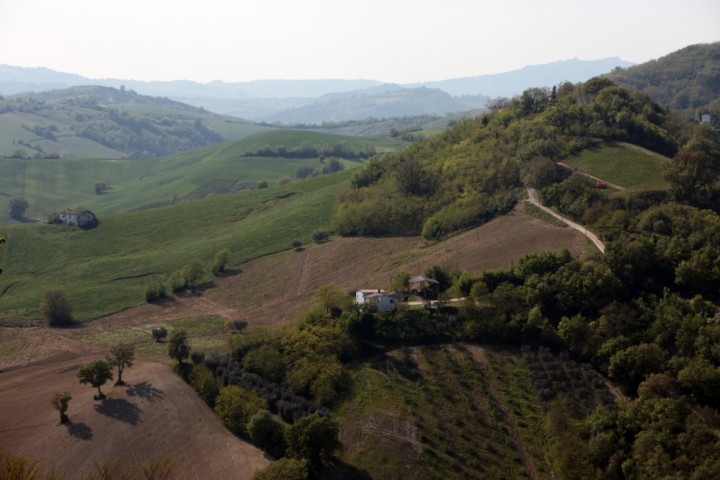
103 122
687 79
54 184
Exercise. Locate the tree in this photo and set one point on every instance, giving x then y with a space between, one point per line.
400 281
101 187
220 261
314 439
121 356
96 373
333 165
283 469
18 205
205 383
283 180
235 406
268 433
261 184
296 244
56 308
60 403
178 346
193 272
331 298
159 333
694 170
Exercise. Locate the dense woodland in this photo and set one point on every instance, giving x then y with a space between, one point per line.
688 79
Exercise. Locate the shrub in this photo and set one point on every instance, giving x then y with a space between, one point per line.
283 469
320 236
154 290
296 244
56 308
235 406
220 261
204 383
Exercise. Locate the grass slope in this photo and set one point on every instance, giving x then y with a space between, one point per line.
51 185
624 164
103 270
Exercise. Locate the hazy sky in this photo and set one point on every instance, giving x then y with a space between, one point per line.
389 40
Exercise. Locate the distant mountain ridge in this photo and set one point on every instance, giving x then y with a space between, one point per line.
514 82
262 99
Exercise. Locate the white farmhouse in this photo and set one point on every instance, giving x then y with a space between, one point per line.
75 218
378 298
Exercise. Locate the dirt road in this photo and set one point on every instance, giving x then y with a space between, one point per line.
535 200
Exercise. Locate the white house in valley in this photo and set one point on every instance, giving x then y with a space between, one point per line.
75 218
377 297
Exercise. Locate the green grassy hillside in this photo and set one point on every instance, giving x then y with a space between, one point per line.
623 164
53 184
103 270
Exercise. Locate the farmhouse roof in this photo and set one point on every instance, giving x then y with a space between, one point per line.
68 211
420 279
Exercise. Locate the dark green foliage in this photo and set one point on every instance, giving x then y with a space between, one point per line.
314 439
18 205
268 433
159 333
685 79
56 309
179 346
235 406
60 403
96 373
201 378
283 469
267 361
320 236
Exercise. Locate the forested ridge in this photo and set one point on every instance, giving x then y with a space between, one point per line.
473 171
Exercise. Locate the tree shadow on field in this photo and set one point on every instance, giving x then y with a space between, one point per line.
79 430
119 409
337 469
144 390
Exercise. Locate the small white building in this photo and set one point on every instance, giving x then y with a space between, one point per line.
378 298
705 119
75 218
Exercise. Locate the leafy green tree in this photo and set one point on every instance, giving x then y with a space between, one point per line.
154 289
220 261
268 433
121 356
695 169
18 205
262 184
314 439
179 346
193 272
330 297
283 469
96 373
266 361
235 406
400 281
56 308
60 403
204 382
283 180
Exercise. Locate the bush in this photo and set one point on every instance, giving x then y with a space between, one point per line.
220 261
320 236
204 383
154 290
193 272
296 244
56 308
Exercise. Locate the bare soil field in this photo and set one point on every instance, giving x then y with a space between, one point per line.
154 416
